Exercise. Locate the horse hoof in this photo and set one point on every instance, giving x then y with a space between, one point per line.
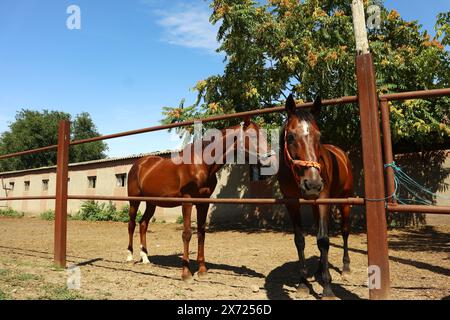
144 258
327 294
187 278
302 289
129 256
203 274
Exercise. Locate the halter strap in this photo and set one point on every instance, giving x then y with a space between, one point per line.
292 162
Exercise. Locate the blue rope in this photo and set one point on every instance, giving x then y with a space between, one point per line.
402 179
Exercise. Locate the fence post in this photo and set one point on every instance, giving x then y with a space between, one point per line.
62 175
377 247
387 148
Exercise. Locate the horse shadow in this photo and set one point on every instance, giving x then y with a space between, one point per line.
174 261
288 275
426 238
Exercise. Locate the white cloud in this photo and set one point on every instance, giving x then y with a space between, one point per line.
189 26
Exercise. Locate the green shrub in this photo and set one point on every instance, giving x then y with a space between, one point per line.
94 211
180 219
48 215
122 214
8 212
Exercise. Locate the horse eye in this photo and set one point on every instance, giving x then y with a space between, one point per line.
290 138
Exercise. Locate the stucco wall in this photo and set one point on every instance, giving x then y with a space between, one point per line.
430 169
106 184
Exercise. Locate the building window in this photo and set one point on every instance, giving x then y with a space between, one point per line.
26 185
92 181
121 179
11 186
45 185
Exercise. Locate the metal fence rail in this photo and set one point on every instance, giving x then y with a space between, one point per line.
412 208
327 102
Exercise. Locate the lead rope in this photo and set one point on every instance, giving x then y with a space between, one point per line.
402 179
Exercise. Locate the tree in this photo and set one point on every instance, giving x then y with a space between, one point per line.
308 48
83 128
34 129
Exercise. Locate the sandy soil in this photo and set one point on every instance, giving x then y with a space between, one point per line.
242 265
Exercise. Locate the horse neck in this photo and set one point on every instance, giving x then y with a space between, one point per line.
215 167
322 150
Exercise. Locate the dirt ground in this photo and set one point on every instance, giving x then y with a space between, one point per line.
242 265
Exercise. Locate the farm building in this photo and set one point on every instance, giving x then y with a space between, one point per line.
109 177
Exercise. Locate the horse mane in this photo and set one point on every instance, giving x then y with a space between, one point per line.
206 143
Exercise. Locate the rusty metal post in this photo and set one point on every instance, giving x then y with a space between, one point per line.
387 148
62 174
377 247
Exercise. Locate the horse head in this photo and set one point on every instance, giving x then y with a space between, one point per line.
301 142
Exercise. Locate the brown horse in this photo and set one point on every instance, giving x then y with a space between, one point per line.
155 176
311 170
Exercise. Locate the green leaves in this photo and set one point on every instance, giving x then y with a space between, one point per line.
34 129
442 28
280 46
83 128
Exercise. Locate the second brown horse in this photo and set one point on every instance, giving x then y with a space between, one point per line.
154 176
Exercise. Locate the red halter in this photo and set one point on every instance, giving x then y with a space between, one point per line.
292 162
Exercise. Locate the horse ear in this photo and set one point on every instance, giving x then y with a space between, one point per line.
317 106
290 104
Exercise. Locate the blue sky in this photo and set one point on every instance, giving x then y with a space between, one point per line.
130 58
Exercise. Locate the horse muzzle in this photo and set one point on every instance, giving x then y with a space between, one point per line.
311 188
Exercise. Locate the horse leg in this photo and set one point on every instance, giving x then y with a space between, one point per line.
345 230
134 205
299 239
143 226
202 213
186 236
323 242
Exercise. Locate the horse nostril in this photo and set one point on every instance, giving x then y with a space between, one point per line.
307 184
315 185
320 187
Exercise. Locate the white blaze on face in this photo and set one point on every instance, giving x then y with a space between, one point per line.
304 128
